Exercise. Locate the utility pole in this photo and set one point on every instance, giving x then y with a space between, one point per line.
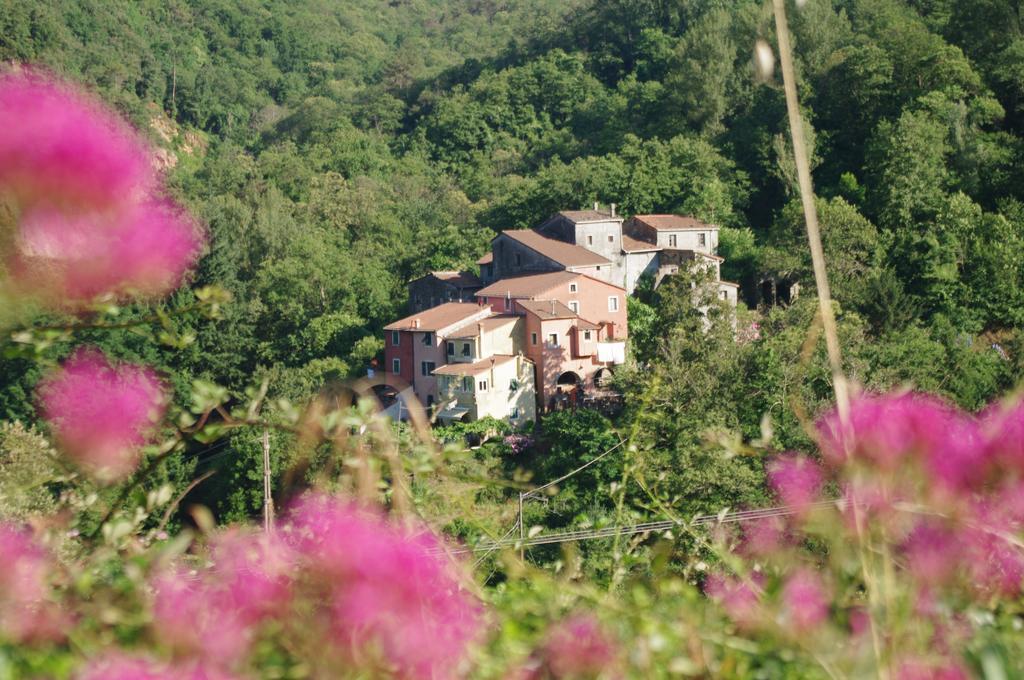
522 530
268 501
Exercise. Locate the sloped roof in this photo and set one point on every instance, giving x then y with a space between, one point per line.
547 310
635 245
673 222
578 216
565 254
475 368
460 279
527 285
436 318
489 324
486 259
588 325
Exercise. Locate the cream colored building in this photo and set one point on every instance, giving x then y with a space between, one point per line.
500 386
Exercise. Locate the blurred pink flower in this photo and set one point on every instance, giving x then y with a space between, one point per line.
102 414
805 600
888 431
390 588
63 147
796 480
763 536
26 614
212 613
578 647
1003 429
143 249
120 666
739 598
932 551
932 669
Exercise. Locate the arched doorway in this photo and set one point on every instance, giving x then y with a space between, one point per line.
602 379
568 380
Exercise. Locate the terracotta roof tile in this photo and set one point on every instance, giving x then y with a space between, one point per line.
546 310
527 285
566 254
672 222
486 259
475 368
635 245
436 318
489 324
587 216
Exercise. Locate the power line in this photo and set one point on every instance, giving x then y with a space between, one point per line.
627 530
531 492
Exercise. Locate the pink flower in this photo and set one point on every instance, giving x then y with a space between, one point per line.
888 431
763 536
102 414
143 249
932 551
1004 431
578 647
796 480
90 218
212 614
120 666
805 600
26 615
388 588
740 599
62 147
937 669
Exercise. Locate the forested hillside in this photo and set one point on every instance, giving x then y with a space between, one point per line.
338 149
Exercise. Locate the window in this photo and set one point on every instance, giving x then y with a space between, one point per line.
702 238
672 241
428 338
519 260
427 367
590 239
598 267
574 306
611 239
613 303
508 304
514 413
533 338
482 386
467 384
513 384
573 288
451 349
586 335
465 349
724 294
553 339
395 338
396 366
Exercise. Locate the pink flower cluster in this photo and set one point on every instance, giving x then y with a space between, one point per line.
577 648
943 490
26 612
90 211
102 414
213 615
385 587
359 591
123 667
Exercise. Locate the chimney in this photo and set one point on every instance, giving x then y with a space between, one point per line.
612 206
552 308
416 323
